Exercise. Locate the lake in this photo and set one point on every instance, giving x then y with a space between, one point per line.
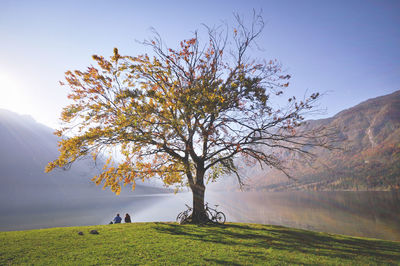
366 214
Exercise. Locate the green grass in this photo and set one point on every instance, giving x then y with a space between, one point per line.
173 244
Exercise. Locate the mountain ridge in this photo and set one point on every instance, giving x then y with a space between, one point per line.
368 158
25 149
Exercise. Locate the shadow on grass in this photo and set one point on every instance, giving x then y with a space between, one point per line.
276 237
220 262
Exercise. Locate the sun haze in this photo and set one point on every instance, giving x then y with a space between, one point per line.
349 50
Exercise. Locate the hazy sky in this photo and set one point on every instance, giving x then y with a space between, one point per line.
349 49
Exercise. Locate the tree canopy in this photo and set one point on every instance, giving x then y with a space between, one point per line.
183 115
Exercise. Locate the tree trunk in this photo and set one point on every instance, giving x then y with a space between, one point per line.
198 189
198 215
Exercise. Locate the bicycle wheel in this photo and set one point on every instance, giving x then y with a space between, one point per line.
208 214
178 218
184 217
220 218
182 220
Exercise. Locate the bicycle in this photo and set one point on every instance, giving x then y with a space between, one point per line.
183 216
214 215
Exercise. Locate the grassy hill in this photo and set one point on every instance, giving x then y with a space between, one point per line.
173 244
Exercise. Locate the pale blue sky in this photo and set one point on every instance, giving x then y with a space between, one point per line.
350 49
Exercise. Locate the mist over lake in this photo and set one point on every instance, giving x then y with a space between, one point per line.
366 214
71 207
31 199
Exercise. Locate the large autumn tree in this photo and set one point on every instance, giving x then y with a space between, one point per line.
183 115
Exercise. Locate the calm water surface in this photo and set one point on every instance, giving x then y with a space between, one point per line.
367 214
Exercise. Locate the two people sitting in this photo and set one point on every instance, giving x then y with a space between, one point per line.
118 219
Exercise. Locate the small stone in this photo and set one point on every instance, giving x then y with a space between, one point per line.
80 233
94 232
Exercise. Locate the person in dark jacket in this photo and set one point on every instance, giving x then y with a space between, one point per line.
127 218
117 219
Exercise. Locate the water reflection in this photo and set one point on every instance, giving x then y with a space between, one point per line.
78 211
165 210
367 214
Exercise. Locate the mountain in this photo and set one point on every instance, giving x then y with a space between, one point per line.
368 157
25 149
